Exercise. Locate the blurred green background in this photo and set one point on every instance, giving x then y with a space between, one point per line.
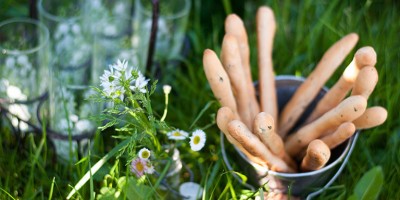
305 30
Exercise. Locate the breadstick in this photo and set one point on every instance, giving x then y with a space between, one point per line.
308 90
348 110
342 133
219 80
266 26
373 116
224 116
230 57
235 26
365 82
318 154
264 128
255 147
365 56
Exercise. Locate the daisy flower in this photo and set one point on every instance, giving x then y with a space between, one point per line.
149 168
177 135
198 140
138 166
144 154
139 84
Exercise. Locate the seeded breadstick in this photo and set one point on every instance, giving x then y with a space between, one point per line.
219 81
348 110
365 56
266 26
255 147
318 154
308 90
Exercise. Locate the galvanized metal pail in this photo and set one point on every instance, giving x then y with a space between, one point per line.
303 184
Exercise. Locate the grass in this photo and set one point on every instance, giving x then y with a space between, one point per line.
305 30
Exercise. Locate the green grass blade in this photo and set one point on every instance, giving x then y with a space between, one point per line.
91 176
227 6
158 182
52 188
206 107
8 194
97 166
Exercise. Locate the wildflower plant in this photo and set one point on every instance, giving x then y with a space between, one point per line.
148 141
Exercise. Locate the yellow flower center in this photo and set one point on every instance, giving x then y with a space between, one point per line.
139 166
196 139
176 133
145 154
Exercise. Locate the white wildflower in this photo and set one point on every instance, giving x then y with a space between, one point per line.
110 83
138 166
177 135
114 91
139 83
198 140
149 168
120 65
144 153
107 77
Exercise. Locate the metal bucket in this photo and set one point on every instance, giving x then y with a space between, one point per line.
304 184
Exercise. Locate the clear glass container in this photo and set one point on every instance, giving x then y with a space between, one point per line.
24 58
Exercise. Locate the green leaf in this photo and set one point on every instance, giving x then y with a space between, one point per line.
135 190
243 177
97 166
370 185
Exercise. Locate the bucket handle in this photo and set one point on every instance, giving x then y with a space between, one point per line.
338 172
229 166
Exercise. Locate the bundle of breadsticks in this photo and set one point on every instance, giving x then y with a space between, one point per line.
252 123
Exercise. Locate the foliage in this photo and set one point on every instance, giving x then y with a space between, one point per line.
305 30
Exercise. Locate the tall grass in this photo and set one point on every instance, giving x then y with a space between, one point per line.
305 31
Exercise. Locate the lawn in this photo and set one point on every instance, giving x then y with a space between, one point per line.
305 30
